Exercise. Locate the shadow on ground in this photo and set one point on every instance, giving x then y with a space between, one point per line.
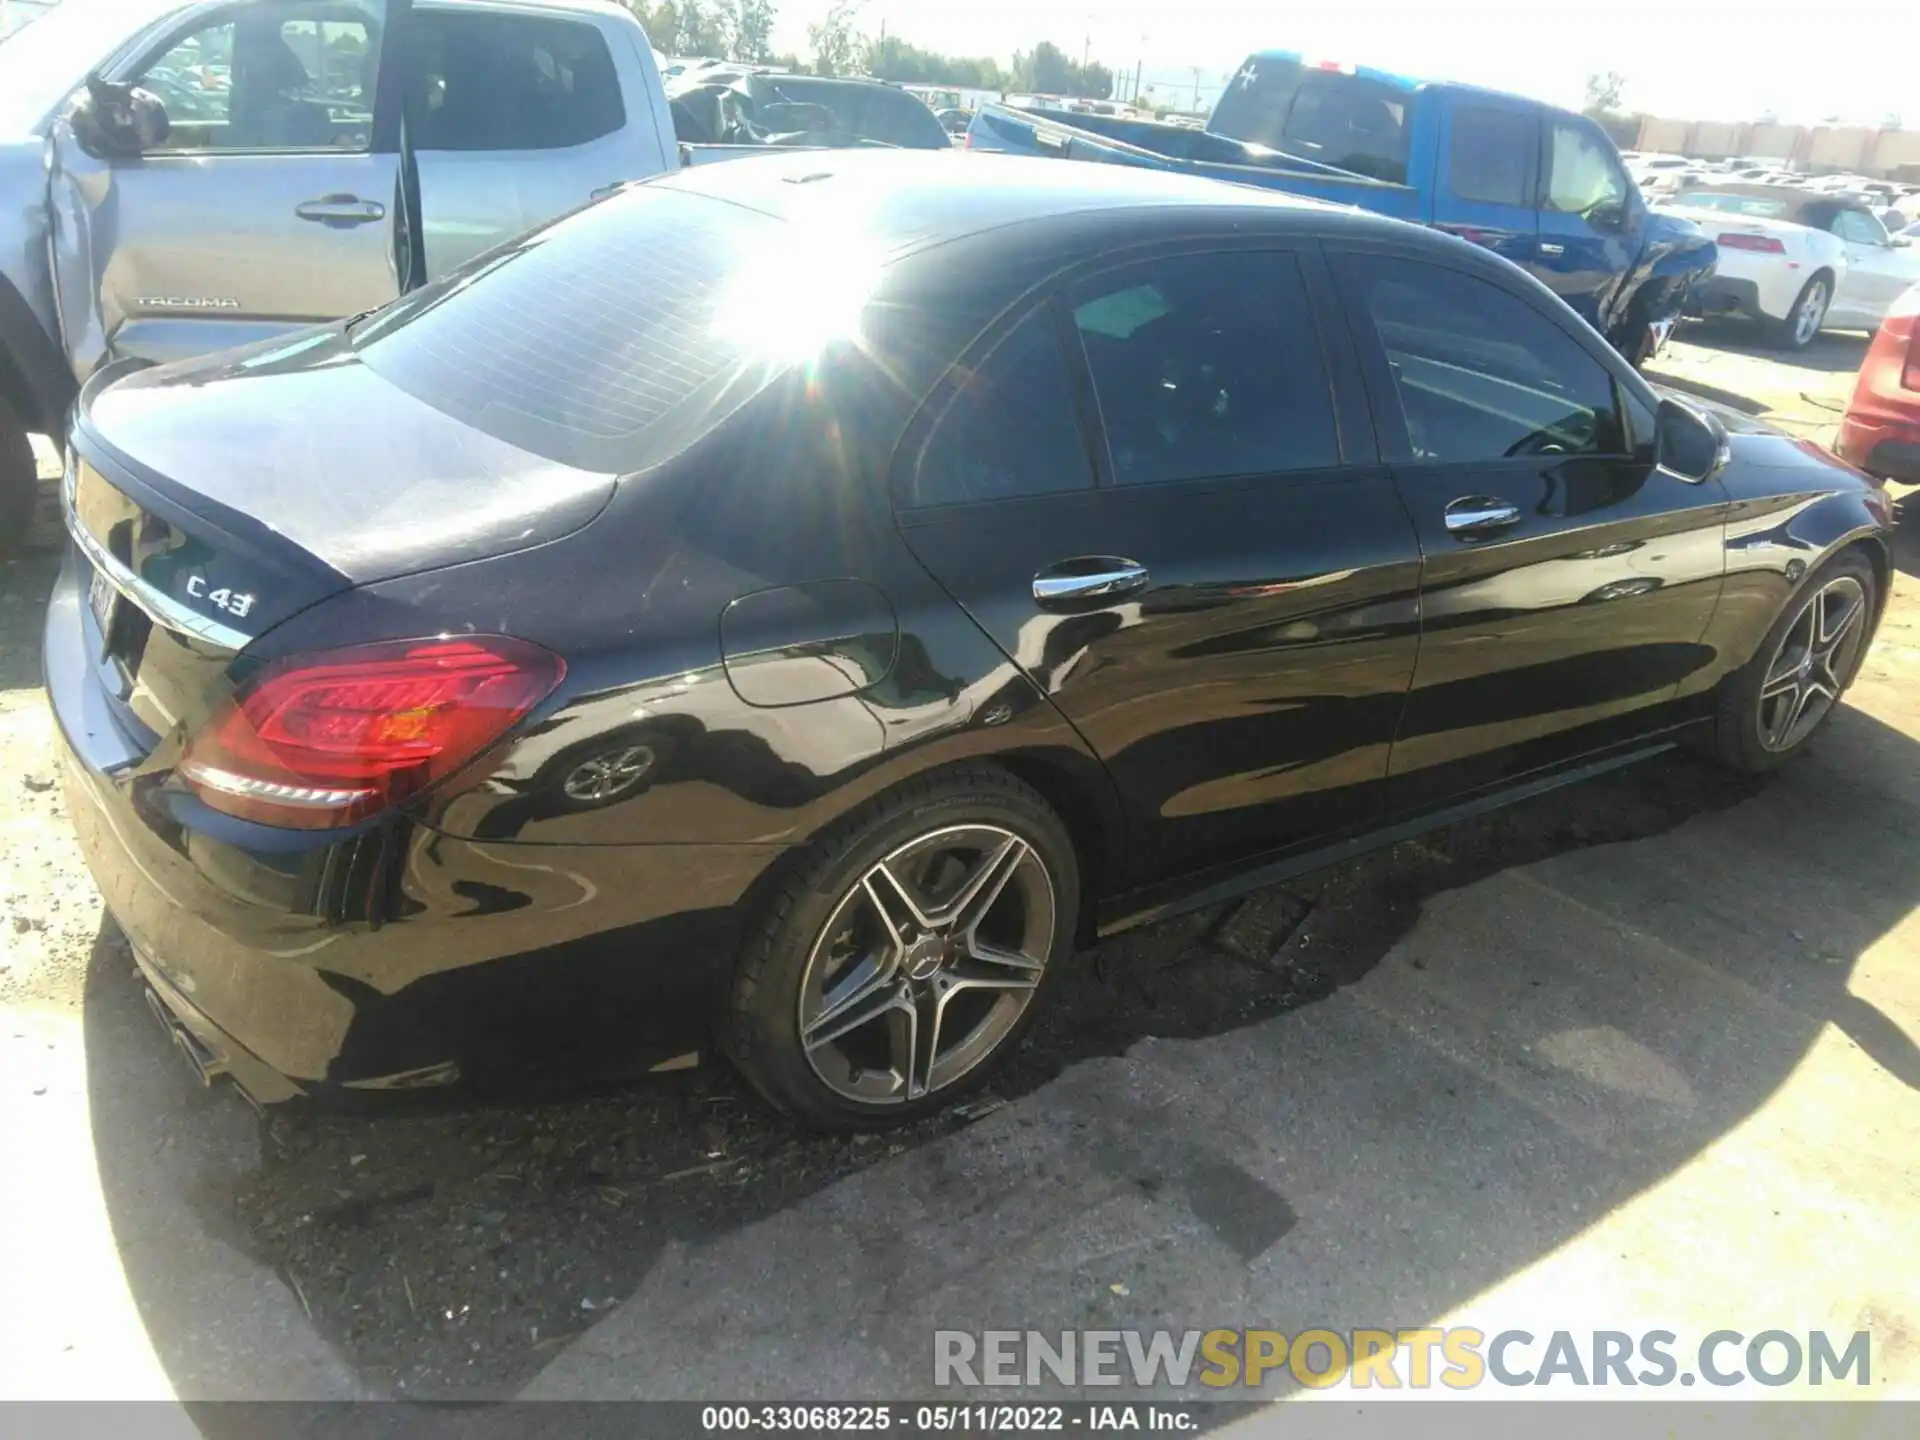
1834 352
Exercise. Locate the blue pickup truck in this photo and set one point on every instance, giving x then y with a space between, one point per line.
1541 186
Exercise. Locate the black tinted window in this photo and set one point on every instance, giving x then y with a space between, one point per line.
1011 430
1480 373
574 340
843 110
1490 153
1351 121
1207 365
510 82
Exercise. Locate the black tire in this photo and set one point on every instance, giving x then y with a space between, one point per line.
761 1029
1739 740
19 482
1787 334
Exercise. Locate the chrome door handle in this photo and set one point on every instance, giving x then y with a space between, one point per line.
1549 247
1473 515
341 210
1088 577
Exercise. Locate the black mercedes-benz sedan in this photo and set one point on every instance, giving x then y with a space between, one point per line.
791 604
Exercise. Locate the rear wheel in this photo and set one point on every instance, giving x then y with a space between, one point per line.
1773 707
906 961
19 483
1809 313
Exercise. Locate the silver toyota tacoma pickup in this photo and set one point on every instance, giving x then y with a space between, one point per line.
305 160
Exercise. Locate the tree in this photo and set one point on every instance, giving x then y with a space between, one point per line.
750 30
896 59
1603 93
836 40
683 27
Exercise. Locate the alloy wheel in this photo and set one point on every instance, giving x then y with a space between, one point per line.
603 777
926 964
1812 311
1810 667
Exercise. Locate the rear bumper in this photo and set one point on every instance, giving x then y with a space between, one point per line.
395 957
1885 450
1726 295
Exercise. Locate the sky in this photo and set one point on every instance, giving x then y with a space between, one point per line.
1695 59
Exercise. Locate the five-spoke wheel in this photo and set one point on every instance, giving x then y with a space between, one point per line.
905 961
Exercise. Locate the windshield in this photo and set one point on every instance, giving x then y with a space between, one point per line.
1350 121
45 62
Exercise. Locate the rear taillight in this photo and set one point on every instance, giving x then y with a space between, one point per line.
315 741
1765 244
1910 375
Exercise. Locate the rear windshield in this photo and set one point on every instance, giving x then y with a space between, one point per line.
583 340
852 111
1348 121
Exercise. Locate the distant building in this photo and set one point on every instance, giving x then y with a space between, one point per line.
1815 149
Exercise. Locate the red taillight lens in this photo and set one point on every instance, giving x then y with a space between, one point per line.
1910 375
320 740
1765 244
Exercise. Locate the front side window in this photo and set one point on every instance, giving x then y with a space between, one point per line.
1207 366
1585 178
510 82
1490 153
288 78
1859 228
1012 428
1480 374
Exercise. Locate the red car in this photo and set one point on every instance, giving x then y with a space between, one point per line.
1881 433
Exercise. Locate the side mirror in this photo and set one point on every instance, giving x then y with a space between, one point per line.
118 121
1689 444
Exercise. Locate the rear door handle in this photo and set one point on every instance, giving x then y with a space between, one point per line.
1552 247
1088 577
341 210
1475 515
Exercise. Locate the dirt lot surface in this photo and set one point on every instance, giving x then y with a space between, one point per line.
183 1246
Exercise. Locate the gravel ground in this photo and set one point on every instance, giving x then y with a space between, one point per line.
450 1249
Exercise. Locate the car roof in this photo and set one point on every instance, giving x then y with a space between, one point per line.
904 200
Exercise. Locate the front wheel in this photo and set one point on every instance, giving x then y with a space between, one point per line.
1773 707
904 963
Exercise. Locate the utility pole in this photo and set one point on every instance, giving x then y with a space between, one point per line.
1196 88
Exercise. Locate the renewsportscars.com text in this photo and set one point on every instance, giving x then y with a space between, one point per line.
1459 1358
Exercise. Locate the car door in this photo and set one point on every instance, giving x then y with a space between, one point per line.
1141 491
268 206
513 118
1492 150
1590 216
1878 271
1567 582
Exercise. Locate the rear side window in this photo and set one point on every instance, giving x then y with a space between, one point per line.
575 340
509 82
1350 121
1207 366
1490 154
1480 374
1012 428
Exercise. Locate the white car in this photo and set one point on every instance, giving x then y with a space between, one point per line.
1799 261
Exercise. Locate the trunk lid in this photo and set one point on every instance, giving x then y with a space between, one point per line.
210 501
